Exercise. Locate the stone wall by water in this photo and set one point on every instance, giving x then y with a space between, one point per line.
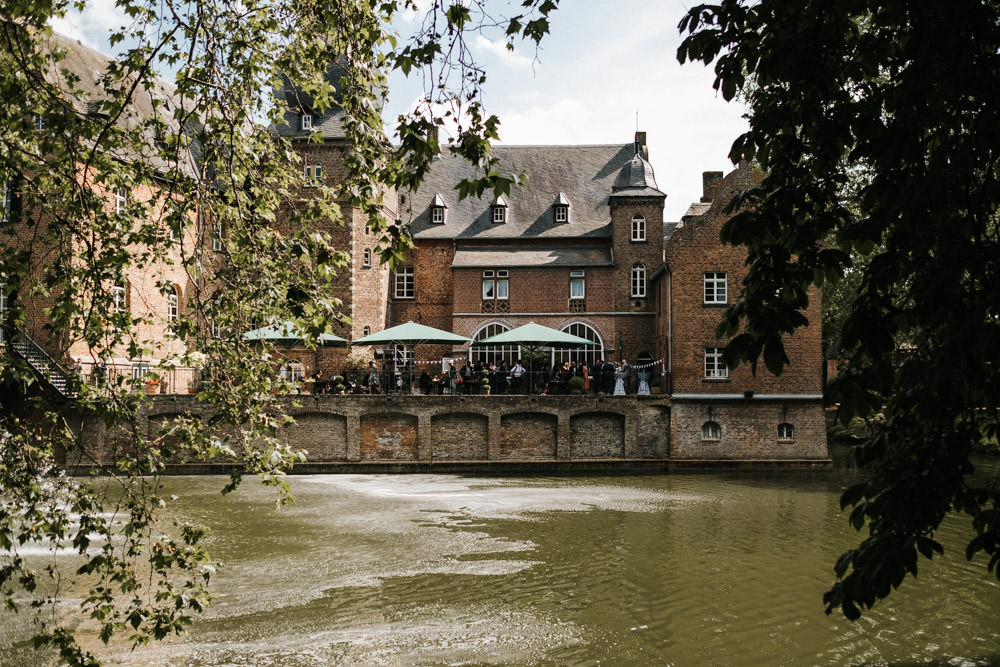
422 430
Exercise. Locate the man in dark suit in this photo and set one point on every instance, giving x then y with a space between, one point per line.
607 377
628 377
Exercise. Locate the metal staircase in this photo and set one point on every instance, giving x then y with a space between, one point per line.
52 375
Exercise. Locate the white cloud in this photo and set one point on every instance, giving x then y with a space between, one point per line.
499 50
93 25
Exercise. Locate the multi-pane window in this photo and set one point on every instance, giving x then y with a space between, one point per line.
312 173
367 257
492 354
173 301
4 305
496 284
119 299
577 285
786 431
307 121
8 198
39 122
638 228
562 213
121 200
715 367
216 328
140 369
217 236
638 281
404 282
715 287
366 331
437 215
711 431
499 213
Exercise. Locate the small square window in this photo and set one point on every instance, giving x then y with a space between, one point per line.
562 213
307 121
437 215
499 214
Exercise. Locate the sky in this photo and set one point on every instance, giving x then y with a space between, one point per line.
603 63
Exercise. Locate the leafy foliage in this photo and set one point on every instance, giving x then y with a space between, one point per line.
105 176
904 93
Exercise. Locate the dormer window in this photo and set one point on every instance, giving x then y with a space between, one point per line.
561 209
437 210
306 121
500 210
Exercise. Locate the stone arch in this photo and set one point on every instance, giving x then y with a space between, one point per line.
597 435
528 435
389 435
460 436
322 434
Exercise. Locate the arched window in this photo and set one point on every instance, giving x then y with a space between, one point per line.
366 331
493 355
638 281
786 431
590 353
711 431
173 301
367 257
638 228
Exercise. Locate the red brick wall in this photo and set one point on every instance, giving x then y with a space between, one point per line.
388 435
694 250
528 435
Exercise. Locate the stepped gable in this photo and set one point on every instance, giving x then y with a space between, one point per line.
583 175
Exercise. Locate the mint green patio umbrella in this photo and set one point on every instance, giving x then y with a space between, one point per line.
288 334
533 336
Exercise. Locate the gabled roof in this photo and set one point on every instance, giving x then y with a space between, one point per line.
583 174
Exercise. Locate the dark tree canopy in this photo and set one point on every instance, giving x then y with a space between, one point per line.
907 94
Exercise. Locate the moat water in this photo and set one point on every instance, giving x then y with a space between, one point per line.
719 568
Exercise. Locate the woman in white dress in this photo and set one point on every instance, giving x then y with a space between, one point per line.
619 380
643 382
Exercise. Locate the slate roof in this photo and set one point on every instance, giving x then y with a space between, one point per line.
583 174
330 123
506 256
86 93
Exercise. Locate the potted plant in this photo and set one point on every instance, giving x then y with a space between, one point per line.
485 383
192 386
152 386
576 385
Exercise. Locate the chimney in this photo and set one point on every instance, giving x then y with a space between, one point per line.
640 145
432 133
711 181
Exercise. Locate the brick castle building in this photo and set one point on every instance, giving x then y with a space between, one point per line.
582 247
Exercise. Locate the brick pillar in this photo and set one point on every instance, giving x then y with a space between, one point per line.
632 430
564 436
353 437
425 446
493 437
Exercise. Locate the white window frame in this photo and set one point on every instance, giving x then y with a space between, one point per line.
121 200
215 328
7 202
366 331
404 283
4 307
578 278
119 298
217 236
306 122
638 228
562 213
173 306
140 369
711 430
437 215
786 431
715 287
715 367
38 122
638 281
499 214
366 258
